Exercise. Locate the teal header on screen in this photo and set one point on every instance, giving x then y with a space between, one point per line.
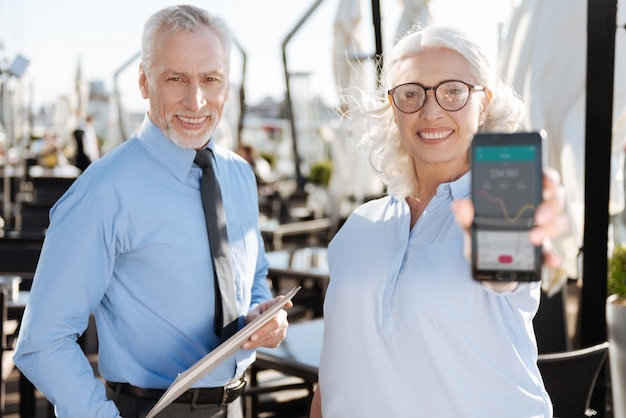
505 153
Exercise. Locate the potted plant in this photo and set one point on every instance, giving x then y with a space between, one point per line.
320 172
616 328
319 179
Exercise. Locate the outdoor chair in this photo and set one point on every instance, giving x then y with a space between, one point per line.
570 378
7 330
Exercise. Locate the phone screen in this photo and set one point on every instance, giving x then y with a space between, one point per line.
507 174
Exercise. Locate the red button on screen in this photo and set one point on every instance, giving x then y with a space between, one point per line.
505 259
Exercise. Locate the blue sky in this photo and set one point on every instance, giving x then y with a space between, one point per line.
55 34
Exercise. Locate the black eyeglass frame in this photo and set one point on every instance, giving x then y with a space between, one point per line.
471 88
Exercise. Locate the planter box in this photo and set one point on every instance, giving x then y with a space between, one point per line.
616 328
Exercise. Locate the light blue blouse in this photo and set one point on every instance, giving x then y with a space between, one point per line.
409 333
128 241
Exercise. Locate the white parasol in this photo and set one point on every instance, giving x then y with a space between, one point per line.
353 179
414 12
544 57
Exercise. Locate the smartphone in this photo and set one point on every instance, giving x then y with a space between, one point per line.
507 171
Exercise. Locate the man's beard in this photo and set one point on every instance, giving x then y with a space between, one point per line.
187 141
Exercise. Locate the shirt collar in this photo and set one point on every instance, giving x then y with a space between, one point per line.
460 189
456 189
177 160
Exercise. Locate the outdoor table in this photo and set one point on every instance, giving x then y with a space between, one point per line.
308 268
297 356
275 232
15 308
302 263
299 353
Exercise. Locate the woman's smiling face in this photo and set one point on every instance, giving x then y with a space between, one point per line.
432 135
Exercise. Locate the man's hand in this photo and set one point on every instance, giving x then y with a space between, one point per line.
271 334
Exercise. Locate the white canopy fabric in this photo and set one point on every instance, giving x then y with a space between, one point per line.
544 57
348 51
414 12
353 178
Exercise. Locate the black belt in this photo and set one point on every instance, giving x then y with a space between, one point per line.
200 396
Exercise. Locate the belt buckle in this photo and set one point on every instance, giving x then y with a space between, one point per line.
224 397
227 390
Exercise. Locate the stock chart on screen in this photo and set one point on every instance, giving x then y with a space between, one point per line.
505 199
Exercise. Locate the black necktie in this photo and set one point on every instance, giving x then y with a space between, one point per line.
225 301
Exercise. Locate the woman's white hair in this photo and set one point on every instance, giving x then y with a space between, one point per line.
381 142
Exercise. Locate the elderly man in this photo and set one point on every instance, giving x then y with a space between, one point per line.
129 243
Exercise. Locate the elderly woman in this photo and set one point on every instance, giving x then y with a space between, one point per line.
408 332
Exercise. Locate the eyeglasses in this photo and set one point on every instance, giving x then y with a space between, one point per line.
451 95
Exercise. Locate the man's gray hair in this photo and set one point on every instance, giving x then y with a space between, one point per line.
177 18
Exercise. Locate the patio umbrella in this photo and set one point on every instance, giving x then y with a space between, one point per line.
544 57
414 12
353 179
348 52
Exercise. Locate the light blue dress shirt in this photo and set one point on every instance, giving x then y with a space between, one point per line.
128 242
409 333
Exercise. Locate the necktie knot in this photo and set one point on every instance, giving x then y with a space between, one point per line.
204 158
